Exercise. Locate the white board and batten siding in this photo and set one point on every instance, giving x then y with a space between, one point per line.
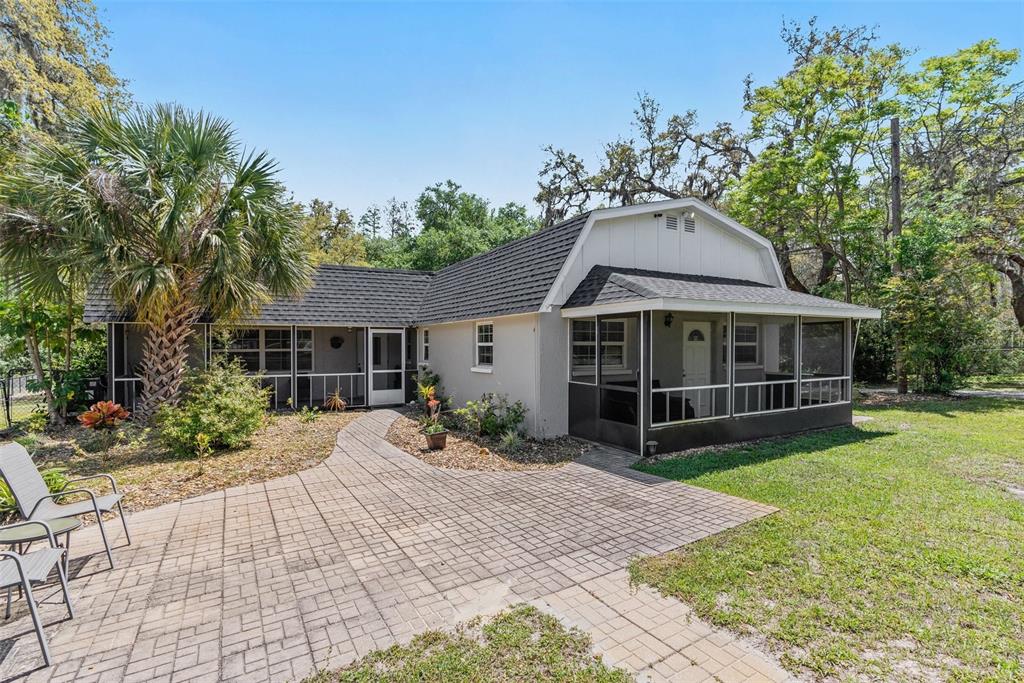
672 242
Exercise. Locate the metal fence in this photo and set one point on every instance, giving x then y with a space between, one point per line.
16 401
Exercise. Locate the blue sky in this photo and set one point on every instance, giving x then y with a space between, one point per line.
361 102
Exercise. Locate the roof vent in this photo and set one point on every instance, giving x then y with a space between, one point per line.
690 224
672 222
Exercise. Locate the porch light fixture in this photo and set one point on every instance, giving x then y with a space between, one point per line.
668 320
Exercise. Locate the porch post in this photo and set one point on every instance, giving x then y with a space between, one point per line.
644 388
294 364
111 356
799 361
730 346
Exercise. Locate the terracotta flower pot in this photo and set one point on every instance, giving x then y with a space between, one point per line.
436 442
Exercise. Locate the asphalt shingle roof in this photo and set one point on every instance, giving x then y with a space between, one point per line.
514 278
606 284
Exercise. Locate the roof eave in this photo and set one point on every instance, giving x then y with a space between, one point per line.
709 306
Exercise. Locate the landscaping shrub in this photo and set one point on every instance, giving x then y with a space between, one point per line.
222 403
103 415
493 415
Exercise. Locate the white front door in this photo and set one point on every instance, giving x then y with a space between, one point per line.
387 367
697 366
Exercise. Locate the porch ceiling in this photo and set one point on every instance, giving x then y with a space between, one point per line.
608 289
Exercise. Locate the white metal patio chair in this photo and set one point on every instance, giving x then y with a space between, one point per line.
35 501
19 570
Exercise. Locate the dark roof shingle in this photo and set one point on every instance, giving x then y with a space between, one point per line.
606 284
513 278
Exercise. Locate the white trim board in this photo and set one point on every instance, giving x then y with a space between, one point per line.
717 307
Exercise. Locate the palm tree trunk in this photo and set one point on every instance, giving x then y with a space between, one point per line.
164 359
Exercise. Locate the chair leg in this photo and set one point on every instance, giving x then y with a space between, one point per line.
38 624
64 588
106 543
124 522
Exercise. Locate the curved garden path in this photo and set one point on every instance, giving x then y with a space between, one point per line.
270 581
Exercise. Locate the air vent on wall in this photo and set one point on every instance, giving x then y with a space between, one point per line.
690 224
672 222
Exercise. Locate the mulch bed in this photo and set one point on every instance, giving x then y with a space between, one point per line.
466 451
150 475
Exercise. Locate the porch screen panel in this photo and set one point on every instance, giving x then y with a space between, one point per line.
764 364
619 369
825 375
583 351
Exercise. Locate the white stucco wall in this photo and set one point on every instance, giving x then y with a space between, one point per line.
529 366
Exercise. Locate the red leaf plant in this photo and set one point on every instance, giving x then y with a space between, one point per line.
103 415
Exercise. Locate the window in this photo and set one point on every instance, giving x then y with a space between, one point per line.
746 344
695 336
426 346
242 345
583 347
267 349
485 344
584 343
278 350
613 344
304 350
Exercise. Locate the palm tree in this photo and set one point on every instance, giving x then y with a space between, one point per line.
163 208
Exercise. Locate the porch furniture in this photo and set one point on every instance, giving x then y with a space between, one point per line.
20 537
22 570
35 502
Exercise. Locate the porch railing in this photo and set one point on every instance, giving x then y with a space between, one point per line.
674 405
753 398
126 391
314 388
824 391
280 389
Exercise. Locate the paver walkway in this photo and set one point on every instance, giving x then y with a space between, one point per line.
270 581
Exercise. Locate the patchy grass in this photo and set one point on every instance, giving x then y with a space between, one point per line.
150 475
519 644
897 554
997 382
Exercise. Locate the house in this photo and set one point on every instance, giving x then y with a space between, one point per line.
614 326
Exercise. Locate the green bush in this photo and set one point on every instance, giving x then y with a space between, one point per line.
220 402
493 415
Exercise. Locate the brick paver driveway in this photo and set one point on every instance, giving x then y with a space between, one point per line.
272 580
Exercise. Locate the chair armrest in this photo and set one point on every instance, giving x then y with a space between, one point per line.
51 496
113 484
34 522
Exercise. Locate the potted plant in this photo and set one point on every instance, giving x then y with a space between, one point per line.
436 434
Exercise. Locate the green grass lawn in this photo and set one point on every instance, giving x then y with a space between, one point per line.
897 554
519 644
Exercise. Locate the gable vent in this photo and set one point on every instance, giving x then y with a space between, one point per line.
672 222
690 224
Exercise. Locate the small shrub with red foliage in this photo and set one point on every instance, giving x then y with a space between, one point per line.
103 415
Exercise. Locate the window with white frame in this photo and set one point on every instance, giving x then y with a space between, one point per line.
241 344
426 346
485 344
583 347
266 349
277 351
613 344
745 344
